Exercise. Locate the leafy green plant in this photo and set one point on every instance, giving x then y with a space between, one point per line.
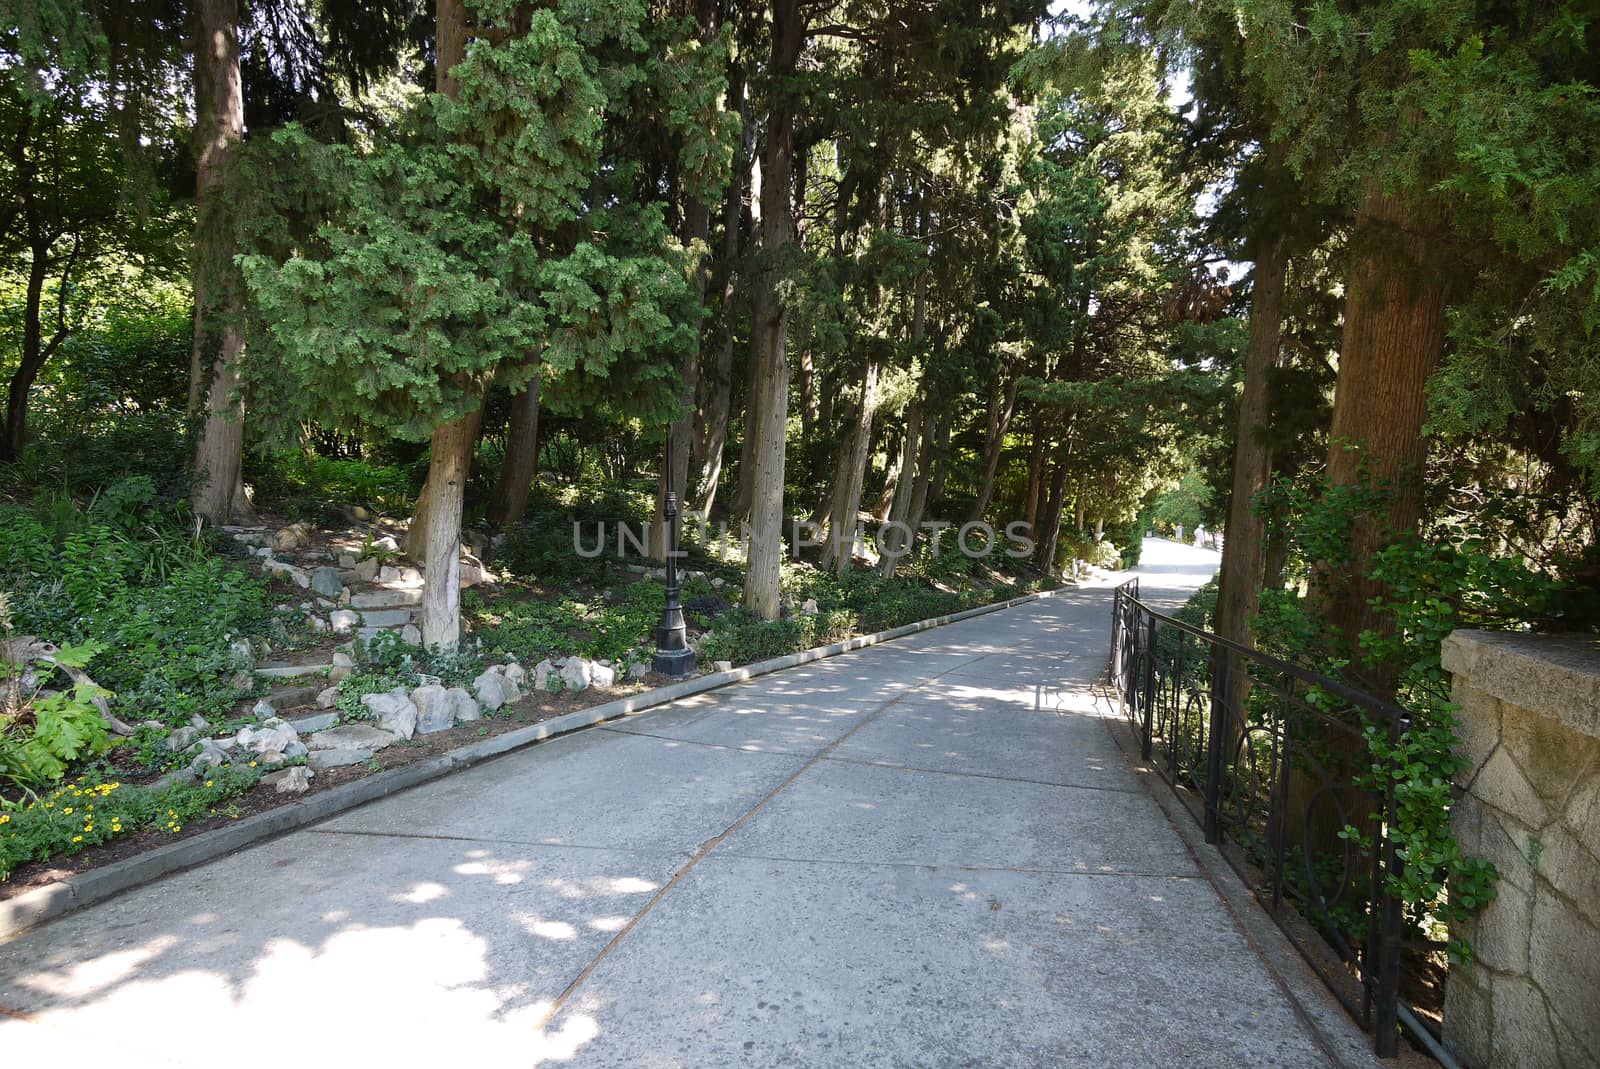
41 730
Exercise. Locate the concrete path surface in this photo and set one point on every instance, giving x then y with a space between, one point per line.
926 853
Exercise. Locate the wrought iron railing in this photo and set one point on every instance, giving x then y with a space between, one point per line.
1275 763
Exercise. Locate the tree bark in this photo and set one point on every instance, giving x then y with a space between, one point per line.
837 553
1038 463
521 462
36 352
218 494
1001 410
438 520
771 325
714 436
1393 337
1055 505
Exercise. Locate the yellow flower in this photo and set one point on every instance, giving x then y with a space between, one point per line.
68 811
5 818
208 783
77 838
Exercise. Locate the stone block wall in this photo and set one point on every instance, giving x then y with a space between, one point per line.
1529 801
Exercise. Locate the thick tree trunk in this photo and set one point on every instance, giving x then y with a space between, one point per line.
904 489
1393 336
770 402
521 462
218 494
437 524
837 554
449 464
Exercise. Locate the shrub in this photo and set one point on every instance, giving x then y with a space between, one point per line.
128 575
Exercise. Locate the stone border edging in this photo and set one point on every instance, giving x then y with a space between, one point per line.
33 908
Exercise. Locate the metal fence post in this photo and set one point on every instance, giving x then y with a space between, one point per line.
1149 690
1214 742
1386 1019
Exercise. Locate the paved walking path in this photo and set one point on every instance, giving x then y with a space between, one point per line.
925 853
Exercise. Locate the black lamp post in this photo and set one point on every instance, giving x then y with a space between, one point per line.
673 656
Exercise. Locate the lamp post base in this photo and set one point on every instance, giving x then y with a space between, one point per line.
674 663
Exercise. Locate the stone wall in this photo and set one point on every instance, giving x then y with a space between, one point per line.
1530 802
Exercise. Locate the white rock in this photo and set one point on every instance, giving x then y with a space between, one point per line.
341 659
241 649
516 675
717 582
263 710
466 707
602 675
348 560
494 690
298 576
386 544
343 621
436 709
410 635
394 711
328 697
808 607
724 666
182 738
542 673
295 780
366 570
638 670
291 537
576 673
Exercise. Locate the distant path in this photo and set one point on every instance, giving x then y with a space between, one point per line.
925 853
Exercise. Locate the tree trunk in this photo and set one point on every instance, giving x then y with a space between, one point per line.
438 520
680 436
904 489
924 479
1001 409
1037 464
752 417
771 325
847 501
34 354
449 464
1054 506
1393 336
1243 550
218 493
521 462
714 437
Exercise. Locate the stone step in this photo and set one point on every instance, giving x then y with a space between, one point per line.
386 617
293 696
279 670
385 598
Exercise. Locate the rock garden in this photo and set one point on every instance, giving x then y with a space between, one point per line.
160 686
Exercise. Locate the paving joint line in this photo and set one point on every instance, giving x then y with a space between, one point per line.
560 1001
490 842
728 855
981 775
